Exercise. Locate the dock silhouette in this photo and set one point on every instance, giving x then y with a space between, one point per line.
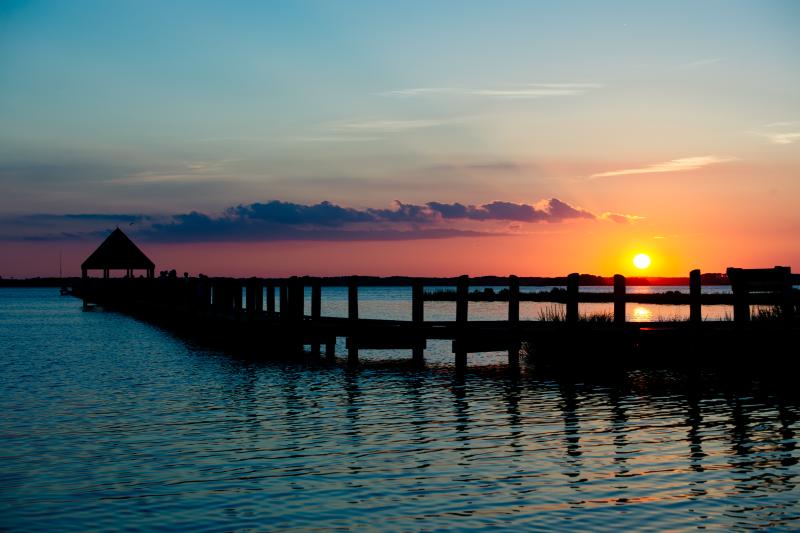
244 313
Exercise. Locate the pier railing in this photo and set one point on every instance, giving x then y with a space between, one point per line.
250 304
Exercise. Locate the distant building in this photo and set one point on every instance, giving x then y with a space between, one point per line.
118 252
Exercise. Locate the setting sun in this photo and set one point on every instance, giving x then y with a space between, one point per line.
641 261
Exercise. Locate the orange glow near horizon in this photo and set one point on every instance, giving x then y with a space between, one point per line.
592 248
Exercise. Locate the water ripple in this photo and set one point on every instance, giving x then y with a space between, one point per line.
109 423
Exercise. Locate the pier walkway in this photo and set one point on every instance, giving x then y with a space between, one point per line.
244 313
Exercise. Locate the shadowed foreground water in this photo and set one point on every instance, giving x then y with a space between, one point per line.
111 423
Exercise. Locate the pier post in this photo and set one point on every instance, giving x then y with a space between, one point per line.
695 305
258 296
462 310
250 298
316 312
270 300
417 316
619 299
513 321
236 289
205 295
787 305
741 302
226 297
573 280
352 315
330 350
284 300
294 311
213 297
220 298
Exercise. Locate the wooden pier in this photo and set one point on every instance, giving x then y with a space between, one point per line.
243 312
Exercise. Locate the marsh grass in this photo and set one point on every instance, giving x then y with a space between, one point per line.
557 313
771 313
766 314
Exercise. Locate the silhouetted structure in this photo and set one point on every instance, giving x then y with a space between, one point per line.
748 281
242 313
118 252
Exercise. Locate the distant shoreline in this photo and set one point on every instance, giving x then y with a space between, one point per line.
586 280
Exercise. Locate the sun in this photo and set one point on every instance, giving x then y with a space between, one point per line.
641 261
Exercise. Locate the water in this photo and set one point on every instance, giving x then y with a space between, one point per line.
395 303
110 423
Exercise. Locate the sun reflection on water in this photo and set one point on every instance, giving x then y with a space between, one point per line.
641 314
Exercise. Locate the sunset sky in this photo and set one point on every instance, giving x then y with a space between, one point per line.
421 138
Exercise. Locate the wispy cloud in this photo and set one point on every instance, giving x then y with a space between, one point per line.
192 171
787 132
336 138
674 165
531 90
386 126
620 218
784 138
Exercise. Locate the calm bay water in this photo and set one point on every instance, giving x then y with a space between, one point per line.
110 423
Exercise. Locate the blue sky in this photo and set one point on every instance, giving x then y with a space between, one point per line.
163 108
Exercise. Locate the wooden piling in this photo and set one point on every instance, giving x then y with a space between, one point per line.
573 281
250 298
695 305
270 300
283 294
236 289
258 297
513 319
619 299
330 350
513 299
316 310
295 301
787 304
462 310
417 316
220 306
352 315
204 296
741 304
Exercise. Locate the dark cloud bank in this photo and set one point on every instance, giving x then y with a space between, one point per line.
277 220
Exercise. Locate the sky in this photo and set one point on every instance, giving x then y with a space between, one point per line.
411 138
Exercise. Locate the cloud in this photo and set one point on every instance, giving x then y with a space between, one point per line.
335 139
552 210
674 165
192 171
786 132
783 138
487 166
278 220
531 90
387 126
620 218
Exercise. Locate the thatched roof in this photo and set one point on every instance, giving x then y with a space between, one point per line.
117 252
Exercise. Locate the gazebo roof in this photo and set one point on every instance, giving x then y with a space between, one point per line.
117 252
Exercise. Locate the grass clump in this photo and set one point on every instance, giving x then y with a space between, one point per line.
557 313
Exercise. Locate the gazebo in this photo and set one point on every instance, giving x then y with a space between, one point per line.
118 252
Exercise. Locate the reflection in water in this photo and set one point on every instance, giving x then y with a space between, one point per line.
642 314
619 419
133 423
694 419
569 406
